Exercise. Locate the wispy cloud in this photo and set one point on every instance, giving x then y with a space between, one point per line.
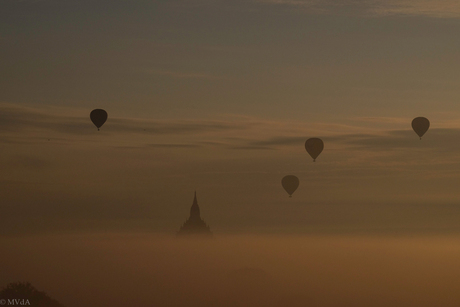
173 145
15 118
182 74
280 141
386 136
252 147
432 8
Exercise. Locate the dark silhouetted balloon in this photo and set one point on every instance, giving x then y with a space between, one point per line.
98 117
420 125
290 184
314 147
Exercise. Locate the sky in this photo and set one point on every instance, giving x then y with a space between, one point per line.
219 97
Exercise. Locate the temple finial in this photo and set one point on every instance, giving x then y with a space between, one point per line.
195 210
194 224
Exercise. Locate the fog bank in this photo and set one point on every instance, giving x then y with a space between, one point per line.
114 269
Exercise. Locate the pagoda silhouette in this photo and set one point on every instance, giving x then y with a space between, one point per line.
194 225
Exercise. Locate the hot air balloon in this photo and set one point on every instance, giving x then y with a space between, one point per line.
98 117
314 147
290 184
420 125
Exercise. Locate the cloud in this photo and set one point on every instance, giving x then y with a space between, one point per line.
431 8
364 137
252 148
182 75
439 139
19 124
173 145
26 125
281 141
385 120
435 138
14 118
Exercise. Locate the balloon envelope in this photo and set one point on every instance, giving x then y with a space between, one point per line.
98 117
420 125
314 147
290 184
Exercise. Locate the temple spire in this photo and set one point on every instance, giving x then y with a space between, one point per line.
195 210
194 224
